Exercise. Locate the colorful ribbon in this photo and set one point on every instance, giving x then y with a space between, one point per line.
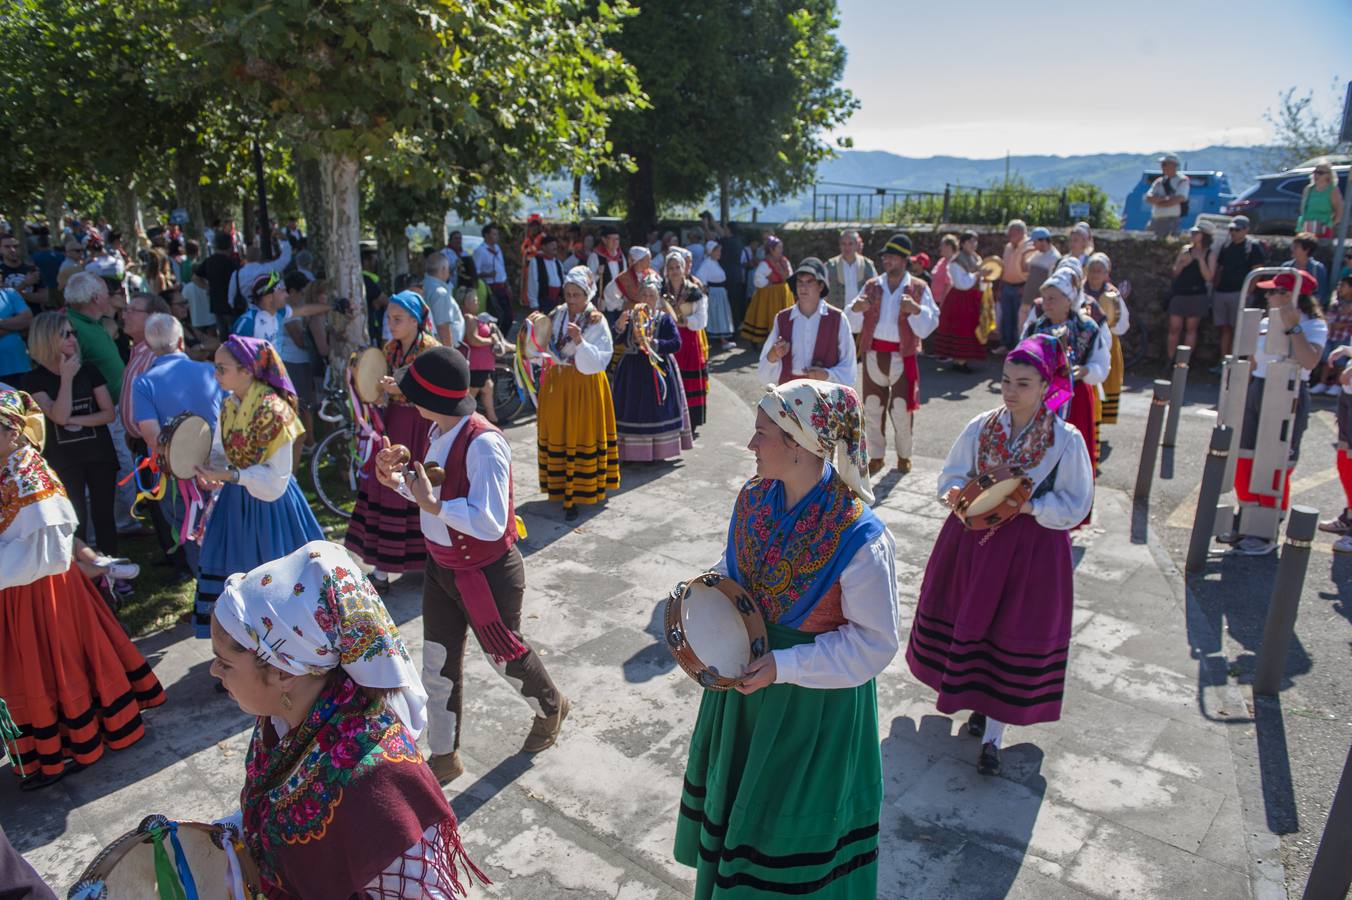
9 738
167 883
367 426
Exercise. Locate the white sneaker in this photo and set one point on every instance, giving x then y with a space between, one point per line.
1335 390
1319 388
1343 544
123 570
1253 546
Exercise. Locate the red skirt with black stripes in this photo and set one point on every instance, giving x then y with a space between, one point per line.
992 625
73 682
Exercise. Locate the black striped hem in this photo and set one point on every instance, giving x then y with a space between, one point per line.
795 888
944 631
919 634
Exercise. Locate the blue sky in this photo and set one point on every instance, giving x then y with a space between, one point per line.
981 78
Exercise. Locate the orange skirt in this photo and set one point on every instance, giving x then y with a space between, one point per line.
70 676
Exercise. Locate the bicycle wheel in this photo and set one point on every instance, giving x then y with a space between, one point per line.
506 397
333 472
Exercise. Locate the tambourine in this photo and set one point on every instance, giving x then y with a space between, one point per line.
714 630
403 459
184 444
215 864
993 498
368 367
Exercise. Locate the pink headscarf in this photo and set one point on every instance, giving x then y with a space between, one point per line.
1048 355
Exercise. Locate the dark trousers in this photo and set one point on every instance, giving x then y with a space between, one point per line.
100 480
445 629
500 297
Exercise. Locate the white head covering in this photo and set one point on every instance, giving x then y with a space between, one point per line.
637 252
710 246
313 610
1099 257
582 277
826 420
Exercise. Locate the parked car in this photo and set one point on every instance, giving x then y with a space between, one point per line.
1208 192
1273 201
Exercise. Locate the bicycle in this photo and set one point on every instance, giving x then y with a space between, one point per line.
335 467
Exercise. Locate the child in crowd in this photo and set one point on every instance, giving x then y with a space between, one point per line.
480 345
1339 318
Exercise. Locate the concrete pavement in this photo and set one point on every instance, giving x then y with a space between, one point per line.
1133 794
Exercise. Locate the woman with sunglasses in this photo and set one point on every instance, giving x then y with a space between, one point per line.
1321 203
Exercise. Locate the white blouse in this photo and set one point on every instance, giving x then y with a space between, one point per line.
961 278
39 542
482 513
264 481
699 319
711 272
762 277
597 347
1061 508
862 647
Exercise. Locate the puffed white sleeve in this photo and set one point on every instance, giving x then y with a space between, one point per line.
867 642
961 278
762 276
1071 498
960 466
1100 358
767 371
267 480
1123 323
699 319
611 298
843 372
36 553
926 321
596 349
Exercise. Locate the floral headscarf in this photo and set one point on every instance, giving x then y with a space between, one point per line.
826 420
413 303
1048 355
312 611
22 414
262 361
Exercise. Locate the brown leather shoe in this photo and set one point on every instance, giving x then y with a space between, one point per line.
447 767
903 465
874 467
546 729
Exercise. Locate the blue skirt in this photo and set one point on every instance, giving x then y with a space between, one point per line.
242 534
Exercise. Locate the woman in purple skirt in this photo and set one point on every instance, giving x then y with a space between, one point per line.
992 626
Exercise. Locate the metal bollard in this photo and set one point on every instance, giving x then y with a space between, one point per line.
1178 387
1331 873
1281 618
1213 476
1150 450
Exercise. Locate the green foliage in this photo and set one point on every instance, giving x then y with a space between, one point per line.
1301 131
1003 200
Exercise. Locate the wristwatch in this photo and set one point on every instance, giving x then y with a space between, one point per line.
1295 329
234 474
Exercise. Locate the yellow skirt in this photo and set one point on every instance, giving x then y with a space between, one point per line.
1112 385
766 303
578 448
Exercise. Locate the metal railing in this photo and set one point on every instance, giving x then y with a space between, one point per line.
965 205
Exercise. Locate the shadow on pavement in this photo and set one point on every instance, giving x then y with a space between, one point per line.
490 784
1274 765
655 659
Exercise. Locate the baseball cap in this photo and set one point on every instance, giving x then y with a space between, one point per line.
1297 281
1040 234
1169 157
1239 222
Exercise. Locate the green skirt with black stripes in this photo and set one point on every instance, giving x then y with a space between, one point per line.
783 789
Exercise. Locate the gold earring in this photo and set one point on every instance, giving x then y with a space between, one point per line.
286 702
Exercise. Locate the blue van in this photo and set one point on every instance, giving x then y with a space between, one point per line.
1207 193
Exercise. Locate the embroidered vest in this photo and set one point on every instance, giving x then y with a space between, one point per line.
826 351
603 277
467 552
910 344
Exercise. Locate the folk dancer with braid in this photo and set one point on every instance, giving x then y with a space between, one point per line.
955 338
384 530
1096 284
783 782
678 290
260 512
771 280
810 339
651 415
73 682
475 577
337 800
893 313
992 624
578 448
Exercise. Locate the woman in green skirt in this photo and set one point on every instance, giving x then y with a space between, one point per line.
783 785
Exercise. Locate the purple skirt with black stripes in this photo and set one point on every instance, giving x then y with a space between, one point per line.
992 626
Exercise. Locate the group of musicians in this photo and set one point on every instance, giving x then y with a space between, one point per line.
783 784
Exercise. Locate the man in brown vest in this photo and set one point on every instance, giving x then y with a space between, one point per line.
892 314
810 339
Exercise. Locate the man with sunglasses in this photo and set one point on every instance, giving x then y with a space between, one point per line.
1239 256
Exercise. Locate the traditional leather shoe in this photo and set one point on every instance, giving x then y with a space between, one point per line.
874 467
545 731
989 762
447 767
903 465
976 724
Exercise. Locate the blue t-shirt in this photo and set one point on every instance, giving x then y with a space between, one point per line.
176 384
49 265
13 352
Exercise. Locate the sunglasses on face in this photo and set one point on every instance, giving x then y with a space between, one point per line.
65 333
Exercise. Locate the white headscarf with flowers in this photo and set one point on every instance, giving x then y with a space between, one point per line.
826 420
313 610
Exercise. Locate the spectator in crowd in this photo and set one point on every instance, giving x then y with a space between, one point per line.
15 319
160 274
292 231
377 298
919 267
255 266
1080 243
1012 282
76 400
1328 380
106 259
751 257
1321 205
1168 197
306 304
1303 247
20 276
48 262
940 281
730 261
492 268
198 343
1038 267
447 318
1238 256
72 262
214 275
87 304
139 308
1188 298
847 271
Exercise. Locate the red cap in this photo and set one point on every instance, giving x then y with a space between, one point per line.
1297 281
534 217
923 259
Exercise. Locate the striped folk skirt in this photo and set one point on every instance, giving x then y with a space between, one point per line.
651 415
1112 385
992 625
73 682
385 529
693 361
959 319
577 447
766 303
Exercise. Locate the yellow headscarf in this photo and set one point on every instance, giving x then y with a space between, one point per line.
21 413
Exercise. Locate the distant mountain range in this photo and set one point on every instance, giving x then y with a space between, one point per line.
1116 173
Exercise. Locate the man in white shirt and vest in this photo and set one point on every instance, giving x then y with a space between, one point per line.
810 339
544 276
892 315
492 269
475 578
847 271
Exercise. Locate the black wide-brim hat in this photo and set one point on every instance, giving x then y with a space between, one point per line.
438 381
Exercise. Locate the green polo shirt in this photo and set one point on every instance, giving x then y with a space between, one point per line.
97 348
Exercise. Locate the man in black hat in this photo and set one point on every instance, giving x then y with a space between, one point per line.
607 261
892 314
475 576
810 339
